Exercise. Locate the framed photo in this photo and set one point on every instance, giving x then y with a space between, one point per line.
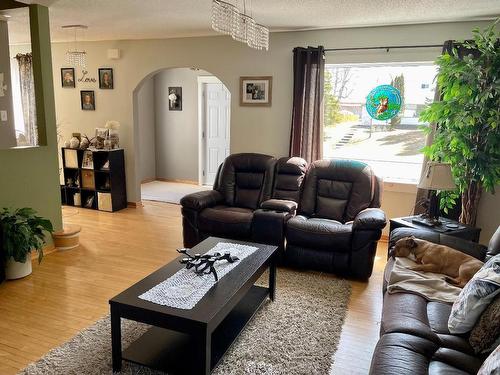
68 77
256 91
175 98
106 78
87 99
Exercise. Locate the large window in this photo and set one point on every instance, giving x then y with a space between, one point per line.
391 147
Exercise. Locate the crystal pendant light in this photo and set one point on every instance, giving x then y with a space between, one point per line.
226 19
76 57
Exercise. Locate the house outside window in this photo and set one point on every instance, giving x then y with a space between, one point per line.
392 147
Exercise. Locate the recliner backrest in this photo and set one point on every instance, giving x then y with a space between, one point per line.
337 189
288 178
246 179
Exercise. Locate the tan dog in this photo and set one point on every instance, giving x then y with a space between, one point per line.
458 266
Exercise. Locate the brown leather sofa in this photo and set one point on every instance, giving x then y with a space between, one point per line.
339 221
253 196
414 336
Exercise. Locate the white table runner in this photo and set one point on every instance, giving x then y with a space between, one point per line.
184 289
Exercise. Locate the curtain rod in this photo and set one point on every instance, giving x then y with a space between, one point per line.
387 48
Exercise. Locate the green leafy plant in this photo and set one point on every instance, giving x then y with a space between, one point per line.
467 118
22 232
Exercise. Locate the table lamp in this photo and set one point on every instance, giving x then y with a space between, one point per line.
437 176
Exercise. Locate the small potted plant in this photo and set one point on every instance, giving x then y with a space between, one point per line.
22 232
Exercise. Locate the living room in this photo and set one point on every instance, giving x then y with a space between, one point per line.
321 179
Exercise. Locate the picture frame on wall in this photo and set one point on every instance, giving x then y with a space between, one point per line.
256 91
106 78
175 98
68 77
87 99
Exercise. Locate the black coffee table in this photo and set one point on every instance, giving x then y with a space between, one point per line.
193 341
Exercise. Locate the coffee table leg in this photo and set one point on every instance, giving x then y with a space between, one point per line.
204 352
116 339
272 279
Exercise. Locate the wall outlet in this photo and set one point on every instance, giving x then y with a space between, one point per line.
3 116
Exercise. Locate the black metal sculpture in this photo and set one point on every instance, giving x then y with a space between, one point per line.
204 264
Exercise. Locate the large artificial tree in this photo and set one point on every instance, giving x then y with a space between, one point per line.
467 118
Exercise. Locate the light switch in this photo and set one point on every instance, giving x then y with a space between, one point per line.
3 116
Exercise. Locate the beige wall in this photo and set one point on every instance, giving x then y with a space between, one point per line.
264 129
146 138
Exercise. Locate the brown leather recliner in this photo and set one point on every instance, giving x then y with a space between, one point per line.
338 222
414 335
239 207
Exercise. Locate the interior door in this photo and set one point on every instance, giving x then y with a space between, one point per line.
216 130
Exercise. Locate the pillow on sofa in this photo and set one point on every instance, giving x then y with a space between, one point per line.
475 297
486 332
492 364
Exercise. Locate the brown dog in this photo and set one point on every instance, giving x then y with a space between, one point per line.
431 257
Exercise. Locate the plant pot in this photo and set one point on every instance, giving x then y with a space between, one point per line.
17 270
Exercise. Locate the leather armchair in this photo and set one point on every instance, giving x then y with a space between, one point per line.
244 181
339 221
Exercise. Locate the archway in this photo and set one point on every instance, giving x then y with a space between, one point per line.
181 132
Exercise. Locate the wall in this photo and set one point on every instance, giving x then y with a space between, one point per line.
177 138
29 177
146 135
264 129
7 128
488 217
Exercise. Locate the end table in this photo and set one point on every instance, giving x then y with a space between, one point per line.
448 227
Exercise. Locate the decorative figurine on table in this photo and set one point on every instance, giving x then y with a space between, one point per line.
204 264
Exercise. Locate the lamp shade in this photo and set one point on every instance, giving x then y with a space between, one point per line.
437 176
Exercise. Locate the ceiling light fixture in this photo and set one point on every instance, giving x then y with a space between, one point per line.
76 57
227 19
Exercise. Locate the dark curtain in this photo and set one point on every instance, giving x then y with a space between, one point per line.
306 136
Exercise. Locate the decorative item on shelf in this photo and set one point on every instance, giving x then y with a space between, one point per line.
76 56
204 264
88 160
85 142
105 165
256 91
67 144
437 177
106 78
77 199
175 98
22 232
74 142
89 202
113 126
227 19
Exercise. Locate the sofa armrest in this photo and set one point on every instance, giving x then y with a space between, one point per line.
202 199
279 205
370 218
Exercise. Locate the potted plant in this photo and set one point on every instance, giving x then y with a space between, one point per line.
467 120
22 232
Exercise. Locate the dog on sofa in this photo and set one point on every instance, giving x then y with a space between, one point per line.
431 257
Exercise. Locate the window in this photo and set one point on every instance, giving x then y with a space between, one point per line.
391 147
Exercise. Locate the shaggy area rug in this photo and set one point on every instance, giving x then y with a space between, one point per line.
296 334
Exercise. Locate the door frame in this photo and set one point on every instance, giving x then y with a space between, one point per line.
201 124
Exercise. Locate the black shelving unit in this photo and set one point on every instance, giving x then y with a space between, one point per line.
100 186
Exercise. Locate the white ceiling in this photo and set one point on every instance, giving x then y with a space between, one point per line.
145 19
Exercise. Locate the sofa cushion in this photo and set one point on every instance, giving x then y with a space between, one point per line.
485 335
475 297
405 354
491 364
321 234
288 178
232 222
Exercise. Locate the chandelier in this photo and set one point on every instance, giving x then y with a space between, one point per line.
76 57
226 19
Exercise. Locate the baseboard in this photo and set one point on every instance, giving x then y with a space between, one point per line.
190 182
384 238
145 181
134 204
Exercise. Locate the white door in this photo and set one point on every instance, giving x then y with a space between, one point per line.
217 100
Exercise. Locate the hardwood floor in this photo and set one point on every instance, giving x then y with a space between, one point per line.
70 290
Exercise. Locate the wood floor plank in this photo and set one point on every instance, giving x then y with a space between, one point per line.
70 290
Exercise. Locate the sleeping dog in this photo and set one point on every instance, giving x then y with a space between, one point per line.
459 267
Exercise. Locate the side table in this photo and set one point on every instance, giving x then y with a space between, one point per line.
448 227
